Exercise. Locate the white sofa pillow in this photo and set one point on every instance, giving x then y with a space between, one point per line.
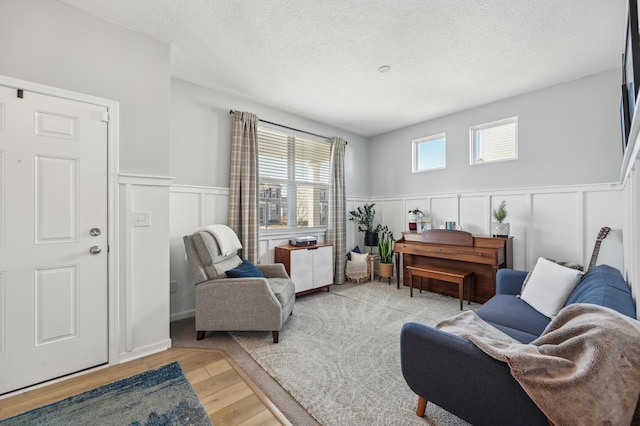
548 287
359 257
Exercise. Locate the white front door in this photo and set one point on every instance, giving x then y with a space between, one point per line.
53 237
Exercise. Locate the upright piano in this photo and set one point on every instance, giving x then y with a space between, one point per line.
455 250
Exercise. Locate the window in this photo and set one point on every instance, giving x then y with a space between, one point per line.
293 181
496 141
430 153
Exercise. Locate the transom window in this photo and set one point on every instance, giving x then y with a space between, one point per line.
495 141
293 181
429 153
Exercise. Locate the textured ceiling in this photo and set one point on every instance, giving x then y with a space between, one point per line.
319 58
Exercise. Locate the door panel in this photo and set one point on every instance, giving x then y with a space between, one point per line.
56 197
302 269
56 125
56 304
323 266
2 193
53 190
2 314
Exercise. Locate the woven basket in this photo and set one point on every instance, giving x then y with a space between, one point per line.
358 272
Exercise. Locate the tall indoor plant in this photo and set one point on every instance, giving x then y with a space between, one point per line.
385 251
364 216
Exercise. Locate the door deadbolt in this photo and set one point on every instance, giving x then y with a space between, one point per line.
94 232
95 250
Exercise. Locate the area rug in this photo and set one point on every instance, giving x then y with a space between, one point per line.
339 354
156 397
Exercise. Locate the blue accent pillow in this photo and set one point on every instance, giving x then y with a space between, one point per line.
244 270
355 250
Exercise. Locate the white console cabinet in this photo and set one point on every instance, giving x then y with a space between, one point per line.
310 268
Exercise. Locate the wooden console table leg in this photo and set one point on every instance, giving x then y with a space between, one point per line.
410 277
397 270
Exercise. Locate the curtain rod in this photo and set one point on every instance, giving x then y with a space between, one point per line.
291 128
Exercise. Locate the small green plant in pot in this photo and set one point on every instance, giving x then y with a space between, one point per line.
499 228
385 251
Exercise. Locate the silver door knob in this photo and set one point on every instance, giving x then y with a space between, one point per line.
94 232
95 250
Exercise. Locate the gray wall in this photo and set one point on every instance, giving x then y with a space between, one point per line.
568 134
47 42
201 137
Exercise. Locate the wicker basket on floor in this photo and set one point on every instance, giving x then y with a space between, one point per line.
358 272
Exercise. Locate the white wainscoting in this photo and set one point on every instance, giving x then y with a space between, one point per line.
630 176
191 207
556 222
632 228
143 290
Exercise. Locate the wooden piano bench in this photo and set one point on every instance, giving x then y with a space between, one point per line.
455 277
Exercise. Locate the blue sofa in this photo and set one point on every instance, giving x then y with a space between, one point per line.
451 372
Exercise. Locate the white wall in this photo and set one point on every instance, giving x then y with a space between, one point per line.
567 134
50 43
569 141
556 205
633 230
631 208
564 187
200 146
191 207
201 135
143 267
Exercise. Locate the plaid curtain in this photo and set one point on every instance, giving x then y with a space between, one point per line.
337 218
243 183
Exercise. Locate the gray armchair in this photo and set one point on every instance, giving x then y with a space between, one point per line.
236 304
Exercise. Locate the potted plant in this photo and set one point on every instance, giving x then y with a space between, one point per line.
364 216
385 251
499 228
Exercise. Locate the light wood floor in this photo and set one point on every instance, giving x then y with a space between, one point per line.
226 392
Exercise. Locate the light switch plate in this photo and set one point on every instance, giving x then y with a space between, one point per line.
141 219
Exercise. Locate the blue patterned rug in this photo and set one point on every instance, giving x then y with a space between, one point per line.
157 397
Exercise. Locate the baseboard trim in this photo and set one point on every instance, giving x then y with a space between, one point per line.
145 351
182 315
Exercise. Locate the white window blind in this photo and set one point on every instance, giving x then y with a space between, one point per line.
496 141
294 180
273 155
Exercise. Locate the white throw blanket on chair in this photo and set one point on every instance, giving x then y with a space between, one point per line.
227 239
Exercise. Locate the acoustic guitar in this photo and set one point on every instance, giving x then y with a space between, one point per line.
604 231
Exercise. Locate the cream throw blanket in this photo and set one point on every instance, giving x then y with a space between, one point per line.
583 370
227 239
